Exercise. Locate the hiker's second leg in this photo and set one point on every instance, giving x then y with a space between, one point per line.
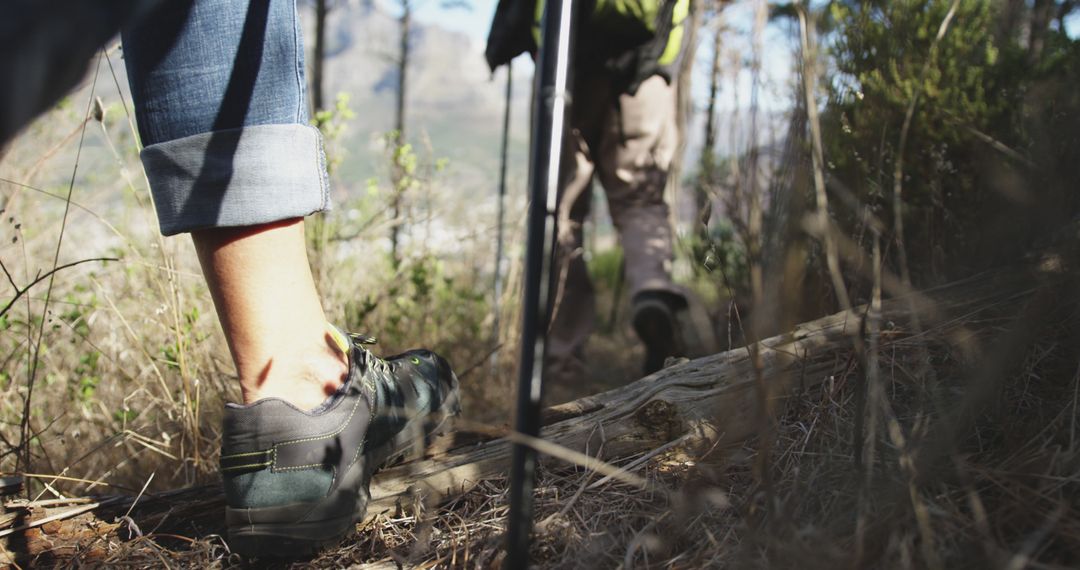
572 298
633 163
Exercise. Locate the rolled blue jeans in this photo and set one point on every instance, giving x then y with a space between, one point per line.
218 87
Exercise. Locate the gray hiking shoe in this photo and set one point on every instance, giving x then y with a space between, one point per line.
656 325
297 481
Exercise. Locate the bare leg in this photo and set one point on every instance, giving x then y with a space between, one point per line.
269 309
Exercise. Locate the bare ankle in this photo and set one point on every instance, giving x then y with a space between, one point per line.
304 380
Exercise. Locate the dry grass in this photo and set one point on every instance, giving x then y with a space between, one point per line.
1003 498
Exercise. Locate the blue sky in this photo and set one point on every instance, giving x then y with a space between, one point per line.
473 22
1072 25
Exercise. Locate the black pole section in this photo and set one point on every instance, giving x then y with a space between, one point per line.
550 108
502 212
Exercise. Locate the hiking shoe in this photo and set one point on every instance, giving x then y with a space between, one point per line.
296 481
655 323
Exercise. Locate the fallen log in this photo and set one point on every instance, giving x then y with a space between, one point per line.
708 402
700 404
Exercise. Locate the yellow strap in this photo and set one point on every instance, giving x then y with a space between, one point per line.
675 38
339 338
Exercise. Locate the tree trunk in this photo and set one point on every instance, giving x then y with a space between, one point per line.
399 130
707 176
405 23
1041 15
1063 11
755 220
1012 17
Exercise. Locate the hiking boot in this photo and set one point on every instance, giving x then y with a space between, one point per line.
296 481
656 325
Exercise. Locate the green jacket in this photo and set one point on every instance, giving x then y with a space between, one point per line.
631 40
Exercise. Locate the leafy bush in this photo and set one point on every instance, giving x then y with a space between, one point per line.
882 53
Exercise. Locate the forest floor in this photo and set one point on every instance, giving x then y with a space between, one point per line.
799 497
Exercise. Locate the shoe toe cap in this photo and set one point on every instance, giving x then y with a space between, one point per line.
436 372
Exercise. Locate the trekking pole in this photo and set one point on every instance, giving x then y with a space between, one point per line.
501 214
550 108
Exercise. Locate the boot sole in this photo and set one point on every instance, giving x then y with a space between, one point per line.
303 529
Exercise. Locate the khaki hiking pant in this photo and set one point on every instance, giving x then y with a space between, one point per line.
629 145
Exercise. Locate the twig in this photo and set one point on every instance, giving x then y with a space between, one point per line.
570 456
809 89
10 204
542 525
1072 421
480 362
641 460
1001 147
19 292
74 480
58 516
927 542
898 168
24 441
1020 560
24 504
48 194
872 399
139 496
636 542
558 452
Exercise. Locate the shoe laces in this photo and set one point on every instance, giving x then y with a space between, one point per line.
362 341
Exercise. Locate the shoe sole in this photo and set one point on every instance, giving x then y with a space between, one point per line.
303 529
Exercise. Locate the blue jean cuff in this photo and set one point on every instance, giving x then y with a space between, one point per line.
237 177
